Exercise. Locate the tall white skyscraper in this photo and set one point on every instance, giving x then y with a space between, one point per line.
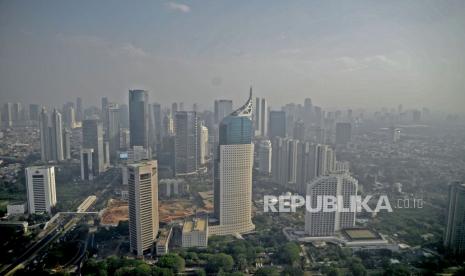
41 193
233 173
321 224
203 144
143 205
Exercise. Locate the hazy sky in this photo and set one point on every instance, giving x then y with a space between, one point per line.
339 53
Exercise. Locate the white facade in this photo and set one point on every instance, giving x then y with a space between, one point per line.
143 205
235 190
203 144
16 209
41 193
323 224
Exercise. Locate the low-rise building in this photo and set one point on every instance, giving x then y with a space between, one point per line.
195 233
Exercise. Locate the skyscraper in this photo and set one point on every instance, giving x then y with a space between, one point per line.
92 138
454 236
139 118
261 117
143 205
155 124
343 133
7 115
41 193
222 109
57 136
203 144
284 161
34 113
233 173
69 115
113 131
79 111
264 157
277 124
87 168
321 223
51 136
67 143
186 142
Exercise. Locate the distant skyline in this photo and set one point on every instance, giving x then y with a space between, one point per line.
359 54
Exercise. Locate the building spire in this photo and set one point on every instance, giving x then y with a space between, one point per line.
246 109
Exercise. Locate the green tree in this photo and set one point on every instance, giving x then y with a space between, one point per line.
219 262
289 253
161 271
172 261
267 271
292 271
397 270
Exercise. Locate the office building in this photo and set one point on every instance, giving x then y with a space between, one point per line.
299 130
195 233
186 151
326 223
41 192
34 113
264 157
92 138
284 161
143 205
51 136
79 110
261 117
277 124
87 168
67 143
69 116
233 173
222 109
343 133
155 121
139 118
113 132
454 236
7 115
203 144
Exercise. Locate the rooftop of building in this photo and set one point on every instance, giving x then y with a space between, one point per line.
198 224
357 234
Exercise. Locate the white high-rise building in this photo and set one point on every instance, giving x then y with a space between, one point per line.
322 224
233 173
264 157
143 205
203 146
41 193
